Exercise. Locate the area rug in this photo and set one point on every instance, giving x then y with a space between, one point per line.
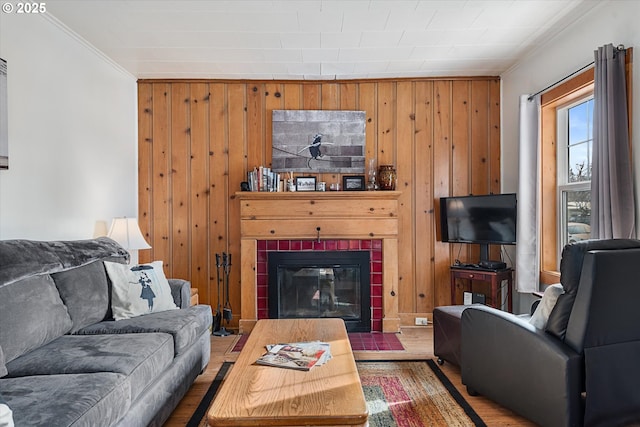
413 394
398 394
360 341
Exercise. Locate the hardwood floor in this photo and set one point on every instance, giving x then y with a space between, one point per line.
418 344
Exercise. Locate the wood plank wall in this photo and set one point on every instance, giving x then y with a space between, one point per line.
197 139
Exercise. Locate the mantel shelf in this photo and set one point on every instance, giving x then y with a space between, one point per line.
318 195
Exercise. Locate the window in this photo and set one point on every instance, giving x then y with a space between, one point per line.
575 144
566 135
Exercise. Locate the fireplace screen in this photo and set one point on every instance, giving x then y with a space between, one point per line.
321 284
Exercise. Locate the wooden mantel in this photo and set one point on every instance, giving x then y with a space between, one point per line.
324 215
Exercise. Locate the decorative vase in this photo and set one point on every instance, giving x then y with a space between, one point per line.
387 177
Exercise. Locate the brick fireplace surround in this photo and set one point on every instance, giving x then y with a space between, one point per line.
375 253
325 221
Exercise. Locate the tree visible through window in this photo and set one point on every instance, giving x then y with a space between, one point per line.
575 141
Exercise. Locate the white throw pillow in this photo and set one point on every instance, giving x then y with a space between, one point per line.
138 290
6 415
543 310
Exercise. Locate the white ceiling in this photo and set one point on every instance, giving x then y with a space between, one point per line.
316 39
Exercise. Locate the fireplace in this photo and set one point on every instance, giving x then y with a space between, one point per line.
321 284
317 221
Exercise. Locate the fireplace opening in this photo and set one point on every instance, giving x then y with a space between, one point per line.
321 284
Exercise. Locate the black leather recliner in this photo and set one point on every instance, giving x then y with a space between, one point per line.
584 368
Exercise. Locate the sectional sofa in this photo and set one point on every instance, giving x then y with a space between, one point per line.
64 361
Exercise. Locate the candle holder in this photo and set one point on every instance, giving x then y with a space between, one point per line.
372 183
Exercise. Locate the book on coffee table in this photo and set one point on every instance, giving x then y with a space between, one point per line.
302 356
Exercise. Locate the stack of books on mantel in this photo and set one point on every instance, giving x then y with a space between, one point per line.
262 178
301 355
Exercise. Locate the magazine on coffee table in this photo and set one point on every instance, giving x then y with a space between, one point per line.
302 355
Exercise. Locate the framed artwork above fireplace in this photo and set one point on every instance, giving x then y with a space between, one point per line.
318 141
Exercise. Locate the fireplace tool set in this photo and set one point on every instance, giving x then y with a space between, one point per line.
223 263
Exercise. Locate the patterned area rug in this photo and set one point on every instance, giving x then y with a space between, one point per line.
398 394
413 394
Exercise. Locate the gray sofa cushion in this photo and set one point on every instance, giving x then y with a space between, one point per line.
185 325
181 292
85 292
143 357
35 316
98 399
26 258
3 368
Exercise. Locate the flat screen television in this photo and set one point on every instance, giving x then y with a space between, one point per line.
484 220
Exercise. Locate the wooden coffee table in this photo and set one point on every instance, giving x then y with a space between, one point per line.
254 395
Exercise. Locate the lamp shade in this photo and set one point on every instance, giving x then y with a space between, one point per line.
127 233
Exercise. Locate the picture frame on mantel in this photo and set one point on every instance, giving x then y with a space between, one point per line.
353 183
306 183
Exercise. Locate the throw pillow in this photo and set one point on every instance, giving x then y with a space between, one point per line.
31 316
542 312
6 415
85 292
138 290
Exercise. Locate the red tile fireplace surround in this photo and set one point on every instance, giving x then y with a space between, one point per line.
319 221
375 253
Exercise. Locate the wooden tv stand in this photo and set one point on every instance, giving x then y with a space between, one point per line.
495 277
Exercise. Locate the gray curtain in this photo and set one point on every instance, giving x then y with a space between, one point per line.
527 249
612 200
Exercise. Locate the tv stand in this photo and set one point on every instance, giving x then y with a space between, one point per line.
471 273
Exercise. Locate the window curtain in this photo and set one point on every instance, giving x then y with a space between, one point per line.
528 248
612 199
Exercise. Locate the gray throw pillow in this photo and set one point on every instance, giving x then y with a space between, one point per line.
32 315
85 292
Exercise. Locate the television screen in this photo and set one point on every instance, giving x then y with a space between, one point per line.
489 219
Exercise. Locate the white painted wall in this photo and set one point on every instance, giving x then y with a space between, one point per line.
72 134
611 22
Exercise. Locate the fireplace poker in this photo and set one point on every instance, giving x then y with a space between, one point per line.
222 332
217 319
226 311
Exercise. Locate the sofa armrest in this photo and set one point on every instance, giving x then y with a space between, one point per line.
181 292
521 367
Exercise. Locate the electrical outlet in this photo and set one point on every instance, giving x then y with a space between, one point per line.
422 321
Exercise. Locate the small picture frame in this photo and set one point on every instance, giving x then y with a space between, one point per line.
306 183
353 182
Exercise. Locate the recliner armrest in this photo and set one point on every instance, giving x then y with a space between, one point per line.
181 292
520 367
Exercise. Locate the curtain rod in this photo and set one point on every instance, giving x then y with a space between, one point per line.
618 48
